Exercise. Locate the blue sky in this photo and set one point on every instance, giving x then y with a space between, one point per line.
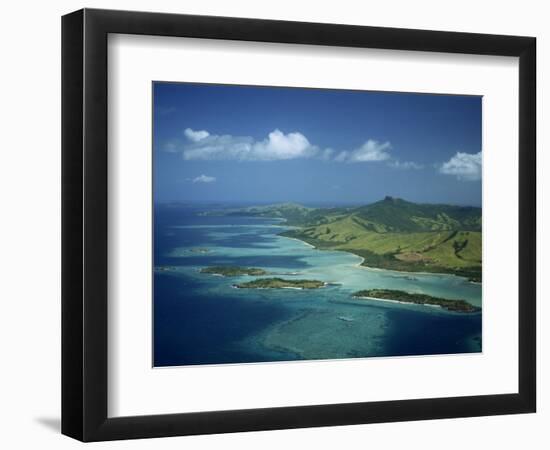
218 143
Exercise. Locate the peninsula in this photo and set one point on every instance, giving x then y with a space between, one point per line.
391 234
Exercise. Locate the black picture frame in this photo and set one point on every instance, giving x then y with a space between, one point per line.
84 224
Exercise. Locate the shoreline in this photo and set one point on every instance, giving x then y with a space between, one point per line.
296 288
401 302
360 264
398 296
303 242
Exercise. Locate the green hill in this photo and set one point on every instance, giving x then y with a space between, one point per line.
399 215
392 234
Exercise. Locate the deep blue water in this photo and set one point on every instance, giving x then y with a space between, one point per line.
201 319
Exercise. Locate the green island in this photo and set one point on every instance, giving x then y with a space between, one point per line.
391 234
279 283
419 299
233 271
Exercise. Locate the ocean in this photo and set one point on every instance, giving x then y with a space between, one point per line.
203 319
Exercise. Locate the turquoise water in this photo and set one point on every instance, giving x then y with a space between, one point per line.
203 319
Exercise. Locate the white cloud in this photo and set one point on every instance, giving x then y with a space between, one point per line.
218 147
283 146
465 166
201 145
370 151
170 147
195 136
277 146
326 154
405 165
204 179
342 156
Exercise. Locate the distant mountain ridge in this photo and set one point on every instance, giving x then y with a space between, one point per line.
392 233
389 214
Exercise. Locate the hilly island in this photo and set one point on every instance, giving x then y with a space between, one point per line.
392 234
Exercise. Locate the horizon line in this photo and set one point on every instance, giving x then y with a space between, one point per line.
306 202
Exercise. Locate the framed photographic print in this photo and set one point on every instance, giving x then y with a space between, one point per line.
273 224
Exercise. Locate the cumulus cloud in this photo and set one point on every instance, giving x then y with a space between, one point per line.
283 146
465 166
342 156
326 154
204 179
195 136
370 151
276 146
405 165
170 147
202 145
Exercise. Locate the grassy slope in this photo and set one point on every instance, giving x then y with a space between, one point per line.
399 235
391 234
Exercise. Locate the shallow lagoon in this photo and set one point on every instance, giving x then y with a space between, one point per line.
202 319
